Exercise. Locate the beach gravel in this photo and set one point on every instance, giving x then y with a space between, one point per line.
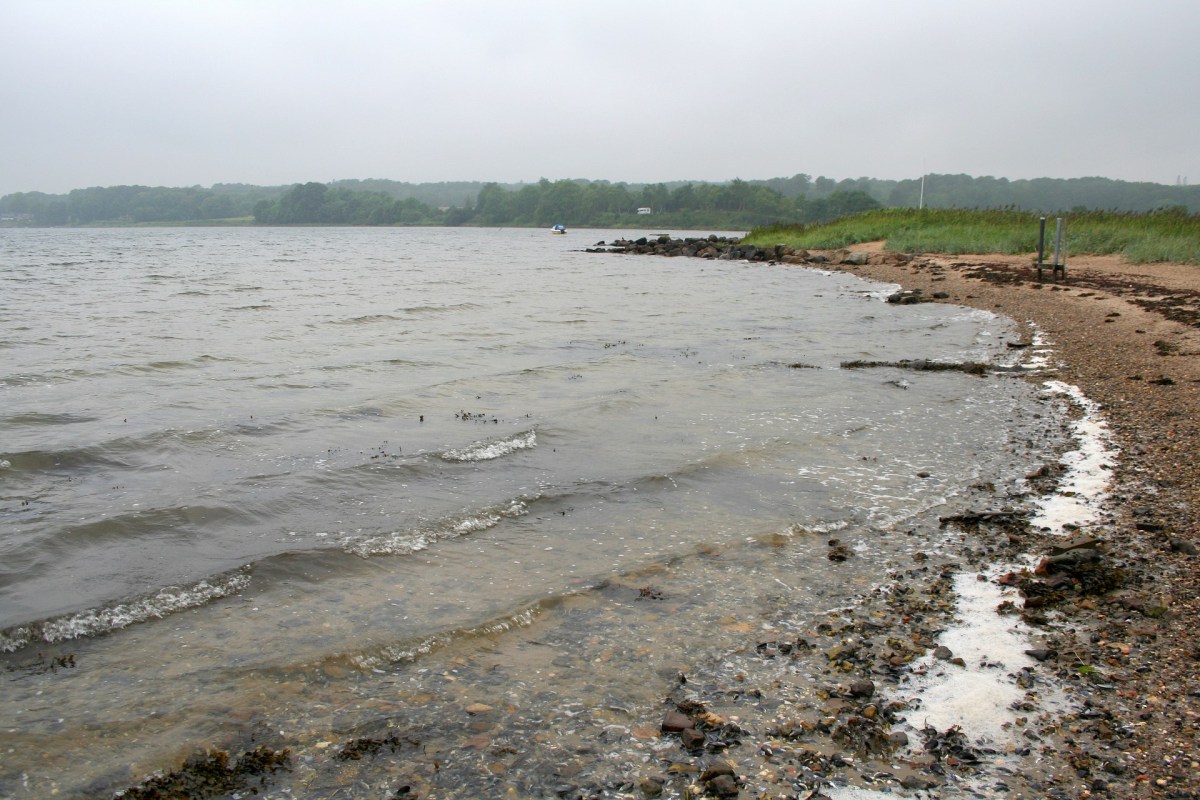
1128 337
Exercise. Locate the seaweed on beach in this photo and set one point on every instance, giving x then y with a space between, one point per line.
971 520
211 775
949 747
355 750
41 665
921 365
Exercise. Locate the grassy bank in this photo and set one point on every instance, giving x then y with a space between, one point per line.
1141 238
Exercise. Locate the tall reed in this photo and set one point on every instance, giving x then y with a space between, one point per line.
1169 235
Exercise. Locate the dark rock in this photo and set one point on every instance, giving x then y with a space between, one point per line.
906 297
691 739
1131 601
1045 471
722 786
917 782
1066 562
943 653
720 779
652 786
862 689
1076 543
1183 546
1041 654
674 722
717 768
972 519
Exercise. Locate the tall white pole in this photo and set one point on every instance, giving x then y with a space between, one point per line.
921 205
1058 226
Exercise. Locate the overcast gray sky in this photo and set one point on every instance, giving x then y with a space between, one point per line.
176 92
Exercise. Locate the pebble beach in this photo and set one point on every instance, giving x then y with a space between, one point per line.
1128 337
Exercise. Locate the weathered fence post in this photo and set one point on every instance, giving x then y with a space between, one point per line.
1060 231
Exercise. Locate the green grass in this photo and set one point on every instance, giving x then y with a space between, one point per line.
1141 238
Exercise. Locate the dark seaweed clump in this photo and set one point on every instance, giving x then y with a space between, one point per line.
210 775
921 365
355 750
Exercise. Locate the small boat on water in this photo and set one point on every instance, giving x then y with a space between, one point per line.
559 229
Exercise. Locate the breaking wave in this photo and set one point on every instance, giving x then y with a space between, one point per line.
490 449
96 621
410 541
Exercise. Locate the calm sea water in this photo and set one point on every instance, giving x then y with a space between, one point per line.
278 483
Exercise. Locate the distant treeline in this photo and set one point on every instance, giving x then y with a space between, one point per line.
730 205
318 204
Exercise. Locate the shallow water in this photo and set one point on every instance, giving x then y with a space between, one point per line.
281 485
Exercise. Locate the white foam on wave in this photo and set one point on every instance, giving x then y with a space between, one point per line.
97 621
395 654
497 448
884 291
411 541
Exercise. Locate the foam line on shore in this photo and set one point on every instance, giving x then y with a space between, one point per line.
975 697
1084 485
979 696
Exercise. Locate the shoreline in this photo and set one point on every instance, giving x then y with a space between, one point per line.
1114 641
1127 337
855 699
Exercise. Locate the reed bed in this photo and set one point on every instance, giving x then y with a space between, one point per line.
1170 235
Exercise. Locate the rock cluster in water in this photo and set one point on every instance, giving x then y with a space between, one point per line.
728 248
724 248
